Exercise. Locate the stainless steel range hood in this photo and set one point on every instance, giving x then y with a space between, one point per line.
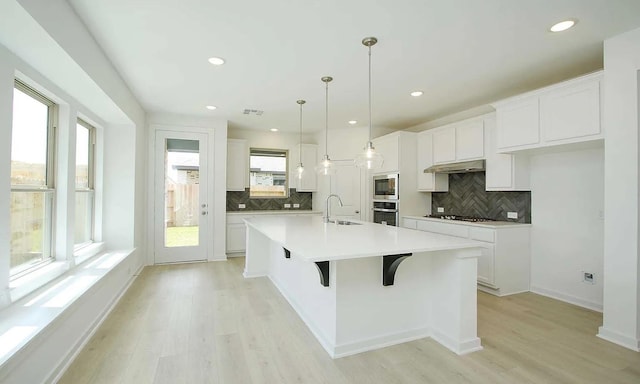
461 167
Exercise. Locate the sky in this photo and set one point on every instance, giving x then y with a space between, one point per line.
29 133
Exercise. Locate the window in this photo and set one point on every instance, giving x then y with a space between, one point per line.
85 194
268 172
32 184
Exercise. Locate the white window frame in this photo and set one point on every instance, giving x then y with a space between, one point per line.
91 187
49 190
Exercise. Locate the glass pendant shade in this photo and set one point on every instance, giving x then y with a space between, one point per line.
369 158
326 167
300 170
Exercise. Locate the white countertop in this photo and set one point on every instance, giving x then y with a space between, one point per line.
312 239
485 224
274 212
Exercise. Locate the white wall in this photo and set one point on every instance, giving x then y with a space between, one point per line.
621 320
567 235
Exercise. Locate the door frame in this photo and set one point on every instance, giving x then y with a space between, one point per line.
217 151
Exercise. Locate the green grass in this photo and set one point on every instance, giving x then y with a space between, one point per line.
181 236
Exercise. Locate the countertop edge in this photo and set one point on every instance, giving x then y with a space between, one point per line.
502 224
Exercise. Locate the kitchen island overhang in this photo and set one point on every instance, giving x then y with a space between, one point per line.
432 291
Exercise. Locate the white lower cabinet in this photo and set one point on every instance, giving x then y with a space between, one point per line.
504 266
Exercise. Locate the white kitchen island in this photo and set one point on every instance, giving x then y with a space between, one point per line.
362 287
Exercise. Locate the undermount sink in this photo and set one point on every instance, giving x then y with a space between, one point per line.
344 222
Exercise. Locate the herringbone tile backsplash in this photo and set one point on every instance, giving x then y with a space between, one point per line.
467 197
234 198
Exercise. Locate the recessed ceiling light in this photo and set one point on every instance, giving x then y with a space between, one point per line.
274 129
216 61
562 26
416 93
353 122
211 107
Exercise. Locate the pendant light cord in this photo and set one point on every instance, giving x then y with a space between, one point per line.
326 120
369 92
300 149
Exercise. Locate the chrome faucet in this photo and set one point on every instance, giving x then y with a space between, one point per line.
326 218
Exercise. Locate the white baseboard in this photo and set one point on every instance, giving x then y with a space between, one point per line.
84 339
460 348
618 338
567 298
360 346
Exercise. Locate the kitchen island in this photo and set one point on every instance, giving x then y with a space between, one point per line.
364 286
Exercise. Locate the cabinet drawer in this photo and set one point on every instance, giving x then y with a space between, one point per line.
482 234
237 219
410 223
443 228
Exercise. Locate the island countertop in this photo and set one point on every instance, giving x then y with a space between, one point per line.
313 240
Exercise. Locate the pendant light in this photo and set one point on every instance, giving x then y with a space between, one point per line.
300 168
326 167
369 158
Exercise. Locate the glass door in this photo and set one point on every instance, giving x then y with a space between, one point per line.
181 206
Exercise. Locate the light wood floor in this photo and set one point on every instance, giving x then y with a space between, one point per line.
205 323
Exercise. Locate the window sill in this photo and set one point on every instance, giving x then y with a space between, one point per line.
23 320
87 252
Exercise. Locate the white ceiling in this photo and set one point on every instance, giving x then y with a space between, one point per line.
461 53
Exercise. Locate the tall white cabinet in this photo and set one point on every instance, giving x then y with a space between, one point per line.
237 164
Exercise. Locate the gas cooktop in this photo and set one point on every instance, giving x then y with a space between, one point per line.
472 219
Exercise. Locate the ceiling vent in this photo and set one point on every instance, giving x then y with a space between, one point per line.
256 112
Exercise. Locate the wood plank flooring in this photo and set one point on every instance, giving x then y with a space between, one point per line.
205 323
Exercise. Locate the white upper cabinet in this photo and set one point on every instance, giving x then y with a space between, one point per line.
470 140
571 112
428 182
237 164
309 180
460 141
563 113
518 124
444 145
504 171
388 146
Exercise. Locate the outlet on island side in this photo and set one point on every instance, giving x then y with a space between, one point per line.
587 277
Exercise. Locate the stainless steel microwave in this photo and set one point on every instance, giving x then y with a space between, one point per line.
385 187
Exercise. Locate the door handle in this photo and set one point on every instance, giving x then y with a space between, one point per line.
357 211
204 213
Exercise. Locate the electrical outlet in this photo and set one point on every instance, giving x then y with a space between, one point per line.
296 205
242 206
587 277
287 205
440 209
512 215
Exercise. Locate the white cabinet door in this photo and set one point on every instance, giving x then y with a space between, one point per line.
518 124
469 138
571 112
428 182
387 146
237 164
236 235
499 166
309 180
444 145
486 269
